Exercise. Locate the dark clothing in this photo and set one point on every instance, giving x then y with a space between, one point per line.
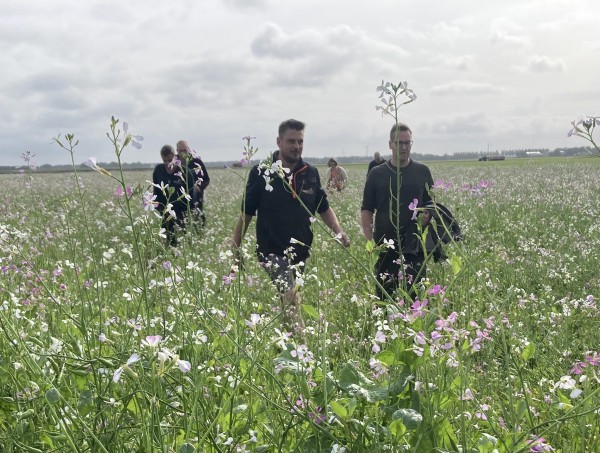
198 170
374 164
177 186
280 214
394 219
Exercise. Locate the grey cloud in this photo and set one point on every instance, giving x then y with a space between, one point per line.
465 88
501 37
246 4
475 123
543 63
458 62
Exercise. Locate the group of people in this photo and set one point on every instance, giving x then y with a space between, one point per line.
337 178
179 185
285 194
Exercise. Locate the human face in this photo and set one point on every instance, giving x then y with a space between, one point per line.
170 163
182 151
401 147
290 147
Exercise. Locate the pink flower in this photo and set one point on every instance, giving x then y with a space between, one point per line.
413 207
152 341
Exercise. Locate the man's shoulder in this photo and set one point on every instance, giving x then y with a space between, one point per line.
380 169
419 164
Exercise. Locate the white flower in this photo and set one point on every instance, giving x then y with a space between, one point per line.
566 383
575 393
91 162
253 321
152 341
389 243
119 371
184 365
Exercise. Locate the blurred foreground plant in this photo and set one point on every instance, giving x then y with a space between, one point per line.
585 128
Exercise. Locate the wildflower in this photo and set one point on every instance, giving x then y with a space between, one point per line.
388 243
152 341
538 445
91 162
316 416
148 200
413 207
566 383
134 139
184 365
228 279
253 321
575 393
119 371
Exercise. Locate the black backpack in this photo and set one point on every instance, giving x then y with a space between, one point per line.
442 230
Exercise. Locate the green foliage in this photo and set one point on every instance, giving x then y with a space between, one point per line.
485 365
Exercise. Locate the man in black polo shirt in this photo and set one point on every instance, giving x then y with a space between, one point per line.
285 193
393 194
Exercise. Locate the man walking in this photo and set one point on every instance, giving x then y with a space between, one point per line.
173 184
198 170
393 193
285 193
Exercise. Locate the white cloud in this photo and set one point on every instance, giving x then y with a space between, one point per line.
543 63
464 88
217 70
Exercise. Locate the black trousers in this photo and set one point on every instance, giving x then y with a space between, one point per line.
394 271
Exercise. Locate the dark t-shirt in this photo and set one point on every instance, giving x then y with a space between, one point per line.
280 215
382 182
374 164
198 169
178 181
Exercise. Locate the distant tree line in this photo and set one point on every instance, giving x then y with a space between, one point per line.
460 155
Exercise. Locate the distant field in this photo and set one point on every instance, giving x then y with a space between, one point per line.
501 354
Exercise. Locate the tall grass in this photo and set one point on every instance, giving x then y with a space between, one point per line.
113 342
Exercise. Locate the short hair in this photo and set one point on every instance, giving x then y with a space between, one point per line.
400 127
184 143
377 156
332 161
167 150
290 124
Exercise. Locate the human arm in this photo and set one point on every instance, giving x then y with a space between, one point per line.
328 216
239 232
366 223
204 178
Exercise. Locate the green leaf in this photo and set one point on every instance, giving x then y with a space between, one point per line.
310 311
338 409
397 429
387 357
456 263
528 352
446 434
486 443
410 418
53 395
358 385
370 246
293 366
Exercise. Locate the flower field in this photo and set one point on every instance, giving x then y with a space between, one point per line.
112 342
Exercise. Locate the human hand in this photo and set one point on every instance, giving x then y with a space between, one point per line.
343 238
425 218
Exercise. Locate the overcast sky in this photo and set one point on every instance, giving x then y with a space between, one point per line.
504 74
